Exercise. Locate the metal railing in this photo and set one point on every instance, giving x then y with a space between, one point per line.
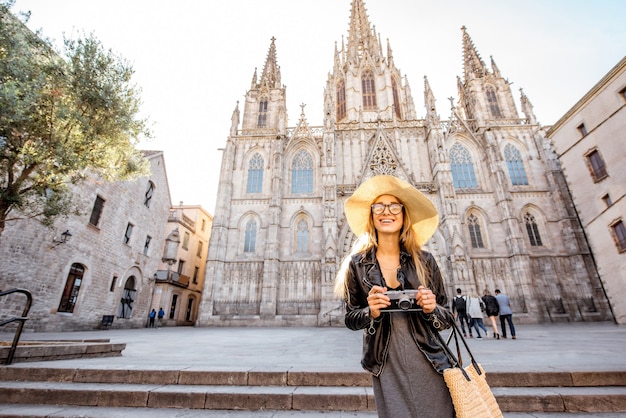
21 320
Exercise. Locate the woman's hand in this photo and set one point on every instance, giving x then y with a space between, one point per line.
377 300
426 299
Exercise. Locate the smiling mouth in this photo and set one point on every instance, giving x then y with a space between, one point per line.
386 221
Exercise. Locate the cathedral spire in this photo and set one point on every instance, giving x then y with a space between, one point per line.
429 101
271 70
494 68
361 37
389 54
253 84
473 65
527 108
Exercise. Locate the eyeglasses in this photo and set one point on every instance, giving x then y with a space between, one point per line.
394 208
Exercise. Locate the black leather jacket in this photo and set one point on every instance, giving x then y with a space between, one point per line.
363 274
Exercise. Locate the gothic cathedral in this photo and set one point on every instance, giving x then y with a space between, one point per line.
507 220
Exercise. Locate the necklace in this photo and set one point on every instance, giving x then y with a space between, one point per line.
386 268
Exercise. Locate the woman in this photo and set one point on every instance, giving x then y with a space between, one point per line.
402 349
492 308
475 312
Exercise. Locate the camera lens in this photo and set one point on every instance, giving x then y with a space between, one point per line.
404 302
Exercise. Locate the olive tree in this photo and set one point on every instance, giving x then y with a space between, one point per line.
64 116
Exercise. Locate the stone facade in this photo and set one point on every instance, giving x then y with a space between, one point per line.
507 219
178 284
589 140
105 268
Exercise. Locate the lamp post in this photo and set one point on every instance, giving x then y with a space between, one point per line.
65 237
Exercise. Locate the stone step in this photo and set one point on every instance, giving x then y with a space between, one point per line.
290 377
31 351
188 377
59 411
608 399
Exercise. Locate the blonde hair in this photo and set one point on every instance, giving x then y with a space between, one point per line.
368 240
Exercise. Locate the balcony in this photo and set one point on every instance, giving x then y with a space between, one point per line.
174 278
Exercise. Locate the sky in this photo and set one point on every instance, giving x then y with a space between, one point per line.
194 59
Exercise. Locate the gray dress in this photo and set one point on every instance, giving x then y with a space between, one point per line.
409 386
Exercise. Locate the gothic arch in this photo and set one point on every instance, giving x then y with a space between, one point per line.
517 143
465 157
493 101
254 167
302 224
514 156
340 99
397 106
475 228
298 158
369 90
533 223
263 111
249 230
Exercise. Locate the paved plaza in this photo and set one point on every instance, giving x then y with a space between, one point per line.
549 347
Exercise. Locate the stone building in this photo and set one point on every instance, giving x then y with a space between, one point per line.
589 140
179 281
507 219
105 268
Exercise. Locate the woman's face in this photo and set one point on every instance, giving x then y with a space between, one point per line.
386 221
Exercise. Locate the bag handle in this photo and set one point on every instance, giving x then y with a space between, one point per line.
458 358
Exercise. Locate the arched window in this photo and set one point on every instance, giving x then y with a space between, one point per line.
302 173
492 101
250 238
341 100
474 231
125 309
516 167
368 85
255 174
396 100
462 168
262 119
533 230
149 192
72 287
302 237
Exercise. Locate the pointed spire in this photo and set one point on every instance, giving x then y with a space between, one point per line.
361 37
254 80
527 108
410 104
302 129
494 67
234 120
429 102
389 54
271 70
473 65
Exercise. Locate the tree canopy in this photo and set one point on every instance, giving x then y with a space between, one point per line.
64 116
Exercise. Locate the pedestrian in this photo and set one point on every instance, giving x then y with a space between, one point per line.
475 307
152 315
506 314
403 350
160 317
459 308
492 309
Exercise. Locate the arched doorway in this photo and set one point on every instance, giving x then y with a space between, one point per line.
129 293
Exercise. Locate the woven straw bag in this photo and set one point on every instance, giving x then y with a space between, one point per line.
470 392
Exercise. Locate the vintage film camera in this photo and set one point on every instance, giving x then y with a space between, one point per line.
402 301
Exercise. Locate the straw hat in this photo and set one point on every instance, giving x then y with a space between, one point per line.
422 212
